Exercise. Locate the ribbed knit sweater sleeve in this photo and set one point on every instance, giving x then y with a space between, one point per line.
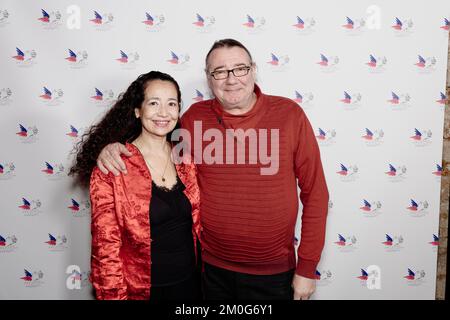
313 195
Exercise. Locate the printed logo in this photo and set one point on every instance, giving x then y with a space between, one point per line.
402 27
5 96
4 17
80 208
304 26
370 277
371 209
154 22
50 19
435 243
33 279
27 135
304 100
179 61
77 278
373 138
204 24
254 25
445 26
30 207
421 138
399 101
351 101
278 63
73 132
330 206
56 244
326 137
7 171
363 277
128 60
199 96
415 278
77 60
103 98
393 243
54 171
348 173
8 243
25 58
323 277
346 244
438 172
396 173
354 26
425 64
417 208
53 97
102 22
377 64
442 101
328 64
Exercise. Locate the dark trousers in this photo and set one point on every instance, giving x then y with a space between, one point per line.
222 284
187 290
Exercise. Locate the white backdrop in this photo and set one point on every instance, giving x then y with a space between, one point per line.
373 103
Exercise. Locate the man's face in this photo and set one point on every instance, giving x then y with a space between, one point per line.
232 92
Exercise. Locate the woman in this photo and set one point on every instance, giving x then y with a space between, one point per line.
145 224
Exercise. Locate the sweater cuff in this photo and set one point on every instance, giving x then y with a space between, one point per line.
306 268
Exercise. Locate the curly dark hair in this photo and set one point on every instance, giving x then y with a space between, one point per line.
118 125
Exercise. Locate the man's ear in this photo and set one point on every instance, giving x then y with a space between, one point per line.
209 81
254 69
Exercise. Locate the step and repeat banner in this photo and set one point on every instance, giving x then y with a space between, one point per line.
369 74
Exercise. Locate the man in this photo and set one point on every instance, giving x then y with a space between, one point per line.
248 215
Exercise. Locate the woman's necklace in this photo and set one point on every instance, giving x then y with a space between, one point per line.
163 179
165 168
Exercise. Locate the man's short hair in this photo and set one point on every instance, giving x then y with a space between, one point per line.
227 43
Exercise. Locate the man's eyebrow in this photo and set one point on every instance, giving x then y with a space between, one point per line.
219 67
236 65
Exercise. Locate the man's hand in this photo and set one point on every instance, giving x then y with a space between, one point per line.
303 287
109 159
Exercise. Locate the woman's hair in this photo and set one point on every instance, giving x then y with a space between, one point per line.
118 125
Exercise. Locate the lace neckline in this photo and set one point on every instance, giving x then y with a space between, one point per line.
175 187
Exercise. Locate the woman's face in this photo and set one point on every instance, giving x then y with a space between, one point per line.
160 110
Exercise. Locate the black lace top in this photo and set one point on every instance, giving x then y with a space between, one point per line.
172 246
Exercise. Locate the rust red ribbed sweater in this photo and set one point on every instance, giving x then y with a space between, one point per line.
248 219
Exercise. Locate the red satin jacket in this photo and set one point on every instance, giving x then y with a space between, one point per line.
120 227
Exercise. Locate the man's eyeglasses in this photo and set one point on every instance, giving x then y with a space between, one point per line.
237 72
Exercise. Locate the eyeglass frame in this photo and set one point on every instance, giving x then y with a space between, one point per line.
232 71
